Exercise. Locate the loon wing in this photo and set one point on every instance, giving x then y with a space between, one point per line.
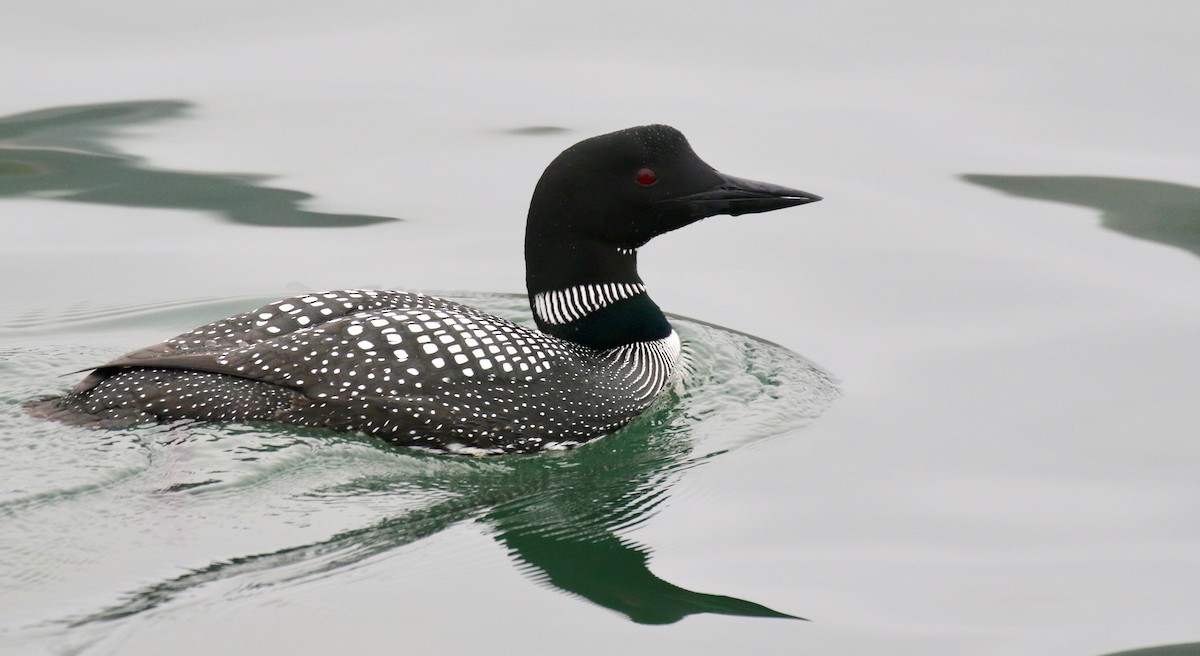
197 348
357 345
291 315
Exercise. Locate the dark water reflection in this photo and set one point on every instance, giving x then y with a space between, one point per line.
537 130
66 153
1188 649
1164 212
557 514
565 535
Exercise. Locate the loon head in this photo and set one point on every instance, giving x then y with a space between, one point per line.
624 188
601 200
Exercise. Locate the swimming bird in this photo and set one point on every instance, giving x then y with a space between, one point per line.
429 372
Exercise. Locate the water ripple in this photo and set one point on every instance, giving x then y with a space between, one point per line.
140 517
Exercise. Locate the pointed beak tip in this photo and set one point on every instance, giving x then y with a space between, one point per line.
735 196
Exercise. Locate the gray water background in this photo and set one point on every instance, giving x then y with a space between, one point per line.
1003 278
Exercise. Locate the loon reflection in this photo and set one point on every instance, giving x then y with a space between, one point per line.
64 153
560 515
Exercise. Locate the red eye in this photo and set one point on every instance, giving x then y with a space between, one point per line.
646 177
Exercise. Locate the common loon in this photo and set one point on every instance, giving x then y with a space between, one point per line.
427 372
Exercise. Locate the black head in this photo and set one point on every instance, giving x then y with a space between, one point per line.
624 188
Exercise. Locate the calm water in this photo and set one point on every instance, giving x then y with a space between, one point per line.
1004 279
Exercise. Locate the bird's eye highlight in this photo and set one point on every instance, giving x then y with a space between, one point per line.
646 177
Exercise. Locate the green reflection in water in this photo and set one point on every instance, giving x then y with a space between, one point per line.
1189 649
566 533
65 153
1164 212
557 513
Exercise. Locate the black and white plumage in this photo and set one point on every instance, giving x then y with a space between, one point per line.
559 306
425 371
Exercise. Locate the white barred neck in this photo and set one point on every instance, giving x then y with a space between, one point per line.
562 306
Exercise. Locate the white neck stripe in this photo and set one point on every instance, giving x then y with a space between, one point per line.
561 306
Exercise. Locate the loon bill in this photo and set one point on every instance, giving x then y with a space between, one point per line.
424 371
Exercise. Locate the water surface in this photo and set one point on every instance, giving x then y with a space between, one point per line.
1012 466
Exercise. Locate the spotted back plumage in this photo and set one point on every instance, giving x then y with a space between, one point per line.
411 368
